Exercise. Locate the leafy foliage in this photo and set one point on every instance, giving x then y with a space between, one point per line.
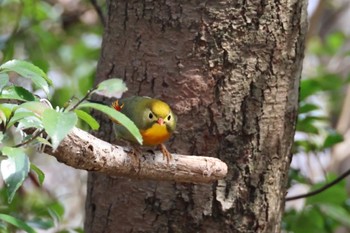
58 124
87 118
62 39
14 169
17 222
329 209
34 118
112 88
39 209
321 213
28 70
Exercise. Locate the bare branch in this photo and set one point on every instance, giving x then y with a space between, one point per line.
81 150
37 134
323 188
99 12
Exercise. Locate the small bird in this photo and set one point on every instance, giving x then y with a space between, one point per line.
152 117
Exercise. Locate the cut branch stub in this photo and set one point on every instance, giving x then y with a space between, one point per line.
82 150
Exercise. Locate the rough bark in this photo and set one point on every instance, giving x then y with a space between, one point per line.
84 151
230 70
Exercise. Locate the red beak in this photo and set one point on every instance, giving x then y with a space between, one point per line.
160 121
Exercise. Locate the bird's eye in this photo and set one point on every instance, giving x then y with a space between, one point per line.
150 115
169 117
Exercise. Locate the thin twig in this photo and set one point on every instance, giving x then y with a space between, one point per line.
317 191
30 139
83 99
11 101
99 12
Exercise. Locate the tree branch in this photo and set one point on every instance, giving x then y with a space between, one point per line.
99 12
37 134
81 150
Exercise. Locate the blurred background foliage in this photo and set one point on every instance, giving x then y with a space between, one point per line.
322 141
63 37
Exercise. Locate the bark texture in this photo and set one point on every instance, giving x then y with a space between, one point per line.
230 70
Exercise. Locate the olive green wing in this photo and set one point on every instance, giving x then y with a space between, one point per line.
133 108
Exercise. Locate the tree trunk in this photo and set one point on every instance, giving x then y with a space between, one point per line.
230 70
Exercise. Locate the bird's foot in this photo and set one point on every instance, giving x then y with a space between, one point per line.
166 153
135 157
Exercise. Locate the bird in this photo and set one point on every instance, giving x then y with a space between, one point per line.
153 117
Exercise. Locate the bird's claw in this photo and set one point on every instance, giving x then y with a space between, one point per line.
135 158
166 153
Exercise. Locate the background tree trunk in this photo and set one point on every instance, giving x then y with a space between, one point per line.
230 70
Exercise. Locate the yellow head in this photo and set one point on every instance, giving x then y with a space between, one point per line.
158 123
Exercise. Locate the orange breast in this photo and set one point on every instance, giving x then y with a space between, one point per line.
155 135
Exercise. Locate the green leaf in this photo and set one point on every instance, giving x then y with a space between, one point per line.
309 87
332 139
118 116
113 87
18 115
39 173
306 145
34 106
17 93
2 116
6 109
28 70
336 212
334 41
330 81
309 220
307 107
14 169
307 125
4 80
86 117
41 223
58 124
30 122
296 175
324 82
62 95
43 141
17 223
56 210
24 68
78 230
